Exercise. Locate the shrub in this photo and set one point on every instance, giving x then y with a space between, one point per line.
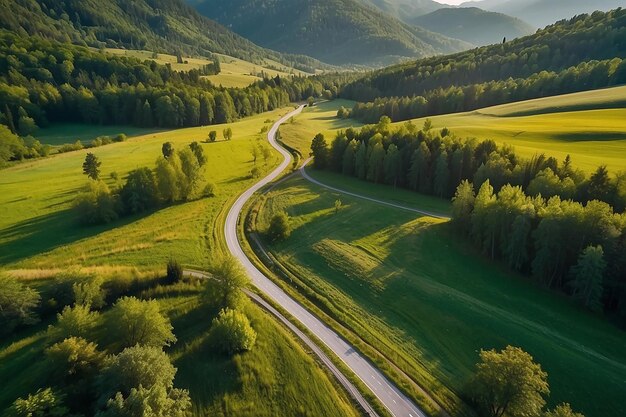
120 138
279 228
96 205
174 271
45 402
76 321
210 190
255 172
231 332
74 359
17 304
140 322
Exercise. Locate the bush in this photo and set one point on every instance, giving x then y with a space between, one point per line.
44 403
140 322
210 190
279 228
96 205
255 172
17 304
74 359
89 293
174 271
120 138
70 147
231 332
76 321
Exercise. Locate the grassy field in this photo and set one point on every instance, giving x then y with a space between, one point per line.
62 133
414 290
321 118
39 238
235 72
590 126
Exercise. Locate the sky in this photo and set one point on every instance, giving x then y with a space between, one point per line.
451 1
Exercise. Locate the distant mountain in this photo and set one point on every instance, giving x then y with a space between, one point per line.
474 25
158 25
406 10
544 12
334 31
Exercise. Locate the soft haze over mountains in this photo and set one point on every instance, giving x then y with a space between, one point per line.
474 25
540 13
334 31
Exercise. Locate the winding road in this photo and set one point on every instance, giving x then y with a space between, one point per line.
388 394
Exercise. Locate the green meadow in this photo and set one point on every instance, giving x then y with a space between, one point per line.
62 133
40 239
589 126
322 117
235 72
414 290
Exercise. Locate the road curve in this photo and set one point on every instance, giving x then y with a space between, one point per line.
374 200
388 394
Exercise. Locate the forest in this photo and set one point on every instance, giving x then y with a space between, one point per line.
46 81
164 26
571 55
583 77
541 216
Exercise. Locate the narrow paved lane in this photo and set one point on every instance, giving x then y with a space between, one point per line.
390 396
373 200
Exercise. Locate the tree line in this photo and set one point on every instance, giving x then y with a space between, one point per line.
568 43
435 162
585 76
44 81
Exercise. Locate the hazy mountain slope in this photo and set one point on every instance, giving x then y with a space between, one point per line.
474 25
544 12
158 25
406 10
334 31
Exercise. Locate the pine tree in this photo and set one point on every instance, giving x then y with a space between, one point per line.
588 275
91 166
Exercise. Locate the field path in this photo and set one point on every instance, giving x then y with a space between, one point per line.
389 395
374 200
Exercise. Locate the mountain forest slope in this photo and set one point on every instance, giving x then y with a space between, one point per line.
334 31
168 26
584 39
474 25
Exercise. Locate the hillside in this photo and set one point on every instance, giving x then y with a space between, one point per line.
335 31
544 12
474 25
167 26
554 49
406 10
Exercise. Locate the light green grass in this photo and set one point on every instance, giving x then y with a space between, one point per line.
320 118
413 289
38 230
235 72
579 125
40 238
62 133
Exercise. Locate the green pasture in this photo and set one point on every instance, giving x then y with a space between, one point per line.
423 296
62 133
590 127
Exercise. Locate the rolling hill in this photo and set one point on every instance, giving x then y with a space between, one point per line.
544 12
334 31
473 25
167 26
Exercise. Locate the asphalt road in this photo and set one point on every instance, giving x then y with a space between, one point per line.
389 395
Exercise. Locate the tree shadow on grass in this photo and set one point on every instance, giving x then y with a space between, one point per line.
44 233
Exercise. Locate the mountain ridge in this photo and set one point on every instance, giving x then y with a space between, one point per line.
339 32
